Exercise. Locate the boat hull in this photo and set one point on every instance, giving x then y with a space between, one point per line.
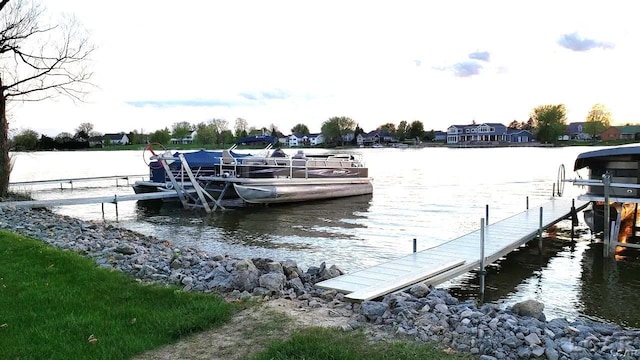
296 192
271 191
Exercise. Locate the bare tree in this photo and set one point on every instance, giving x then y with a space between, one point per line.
38 60
241 127
85 127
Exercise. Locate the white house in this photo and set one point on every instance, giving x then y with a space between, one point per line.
116 139
295 140
185 140
305 139
316 139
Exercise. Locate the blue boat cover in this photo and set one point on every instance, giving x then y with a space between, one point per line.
258 139
204 158
200 158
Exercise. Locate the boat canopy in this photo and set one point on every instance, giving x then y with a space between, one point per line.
587 159
203 158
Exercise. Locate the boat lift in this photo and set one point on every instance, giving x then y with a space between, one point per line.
611 228
187 198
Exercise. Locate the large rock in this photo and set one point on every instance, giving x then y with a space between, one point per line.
373 309
291 269
531 308
273 281
246 277
126 249
419 290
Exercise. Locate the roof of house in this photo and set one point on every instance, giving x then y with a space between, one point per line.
115 136
575 127
628 129
517 131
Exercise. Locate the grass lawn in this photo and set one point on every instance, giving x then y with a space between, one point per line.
321 343
58 305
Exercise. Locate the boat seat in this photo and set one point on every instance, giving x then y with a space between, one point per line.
227 159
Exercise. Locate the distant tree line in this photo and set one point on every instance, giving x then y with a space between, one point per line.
546 122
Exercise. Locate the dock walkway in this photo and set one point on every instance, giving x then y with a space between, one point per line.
71 181
454 257
114 199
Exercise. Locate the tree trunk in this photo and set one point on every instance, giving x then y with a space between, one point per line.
5 161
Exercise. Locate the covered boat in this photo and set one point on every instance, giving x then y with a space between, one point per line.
612 188
271 176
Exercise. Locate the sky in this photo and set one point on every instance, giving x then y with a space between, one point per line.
289 62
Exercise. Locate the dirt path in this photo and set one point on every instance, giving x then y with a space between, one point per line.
248 332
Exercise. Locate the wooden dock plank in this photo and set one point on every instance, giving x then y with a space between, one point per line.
454 257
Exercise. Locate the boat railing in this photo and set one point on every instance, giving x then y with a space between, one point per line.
227 169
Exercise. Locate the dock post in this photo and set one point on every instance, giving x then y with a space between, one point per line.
115 200
540 231
415 247
553 191
574 218
102 204
527 203
486 211
482 263
606 180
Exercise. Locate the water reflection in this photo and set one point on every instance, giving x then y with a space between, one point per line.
609 288
287 226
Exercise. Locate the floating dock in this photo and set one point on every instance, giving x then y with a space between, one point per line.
455 257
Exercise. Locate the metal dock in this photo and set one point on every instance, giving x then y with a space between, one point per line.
71 181
115 199
454 257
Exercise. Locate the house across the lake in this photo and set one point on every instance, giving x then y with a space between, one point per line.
296 140
486 134
188 139
116 139
621 133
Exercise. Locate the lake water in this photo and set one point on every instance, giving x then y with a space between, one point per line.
430 194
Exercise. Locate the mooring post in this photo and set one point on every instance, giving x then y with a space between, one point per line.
553 191
415 243
482 263
527 203
102 210
606 180
540 231
115 200
486 211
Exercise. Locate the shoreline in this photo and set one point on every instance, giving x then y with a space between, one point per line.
422 313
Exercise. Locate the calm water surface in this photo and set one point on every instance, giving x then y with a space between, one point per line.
430 194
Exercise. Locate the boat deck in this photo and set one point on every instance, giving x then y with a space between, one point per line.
455 257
